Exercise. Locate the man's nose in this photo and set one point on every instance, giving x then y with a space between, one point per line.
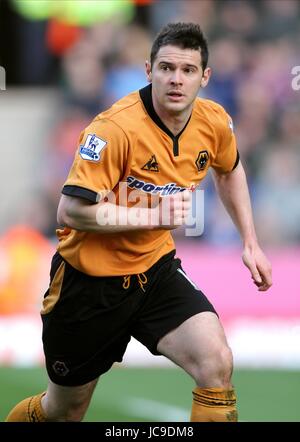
176 77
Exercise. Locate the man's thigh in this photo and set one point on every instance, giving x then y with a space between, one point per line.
171 301
195 339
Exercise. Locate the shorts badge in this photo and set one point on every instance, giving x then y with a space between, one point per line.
60 368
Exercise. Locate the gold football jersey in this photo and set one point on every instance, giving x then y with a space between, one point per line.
129 144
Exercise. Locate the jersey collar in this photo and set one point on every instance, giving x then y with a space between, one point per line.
146 97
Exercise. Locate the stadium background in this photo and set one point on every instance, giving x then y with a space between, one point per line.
67 61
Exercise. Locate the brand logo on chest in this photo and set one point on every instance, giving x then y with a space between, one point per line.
151 165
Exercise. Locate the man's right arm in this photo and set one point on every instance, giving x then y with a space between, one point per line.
105 217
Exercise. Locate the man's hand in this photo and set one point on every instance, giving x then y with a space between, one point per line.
259 266
174 210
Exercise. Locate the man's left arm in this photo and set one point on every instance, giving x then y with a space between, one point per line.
233 190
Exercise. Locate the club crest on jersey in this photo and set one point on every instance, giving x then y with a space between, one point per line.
92 148
202 160
151 165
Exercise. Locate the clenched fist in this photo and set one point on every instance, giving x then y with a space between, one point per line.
173 210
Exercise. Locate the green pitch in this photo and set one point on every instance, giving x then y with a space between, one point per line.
164 394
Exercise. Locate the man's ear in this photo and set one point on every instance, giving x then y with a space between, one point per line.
148 71
205 78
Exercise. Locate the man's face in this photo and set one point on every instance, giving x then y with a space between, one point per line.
176 77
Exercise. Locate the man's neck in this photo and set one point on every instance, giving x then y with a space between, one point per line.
175 122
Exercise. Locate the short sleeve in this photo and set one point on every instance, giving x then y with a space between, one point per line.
227 156
100 161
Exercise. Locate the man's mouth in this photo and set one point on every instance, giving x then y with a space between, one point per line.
175 94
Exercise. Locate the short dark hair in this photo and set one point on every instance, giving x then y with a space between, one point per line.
183 35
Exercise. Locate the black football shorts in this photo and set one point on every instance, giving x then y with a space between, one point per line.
88 321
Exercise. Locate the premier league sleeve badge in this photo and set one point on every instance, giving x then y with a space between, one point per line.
91 149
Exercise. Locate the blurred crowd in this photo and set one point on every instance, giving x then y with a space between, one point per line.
253 47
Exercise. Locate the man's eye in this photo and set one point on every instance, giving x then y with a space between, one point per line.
165 68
